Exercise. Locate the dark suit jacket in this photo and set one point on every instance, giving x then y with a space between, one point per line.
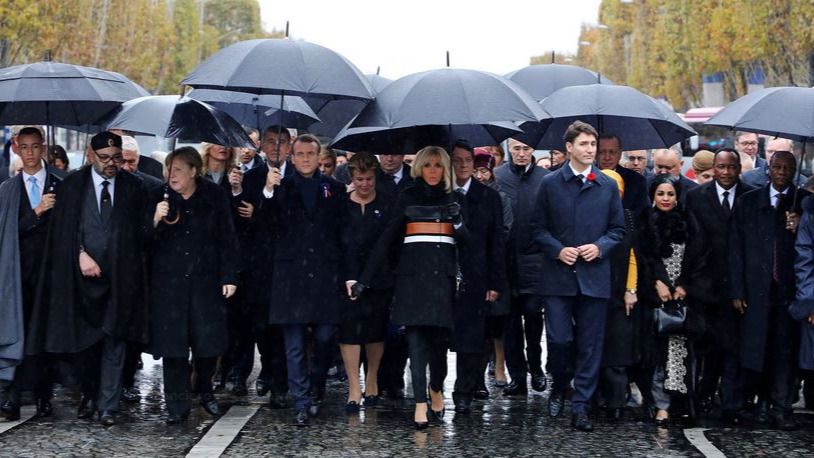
636 197
384 183
151 167
569 214
704 206
758 238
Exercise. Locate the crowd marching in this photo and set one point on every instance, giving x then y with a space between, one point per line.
697 294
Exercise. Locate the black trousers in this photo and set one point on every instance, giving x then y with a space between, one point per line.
100 369
718 358
271 346
177 385
34 373
469 375
613 383
393 363
525 320
132 356
238 360
427 346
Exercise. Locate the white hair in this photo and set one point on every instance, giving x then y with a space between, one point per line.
129 144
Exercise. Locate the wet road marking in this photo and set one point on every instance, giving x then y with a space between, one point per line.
26 413
223 432
699 440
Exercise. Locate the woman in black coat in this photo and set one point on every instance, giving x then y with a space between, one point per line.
426 222
673 253
194 268
364 322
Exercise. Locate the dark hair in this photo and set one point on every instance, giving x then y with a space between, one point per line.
31 131
308 138
611 137
57 152
787 154
362 163
274 129
665 178
189 155
463 144
576 128
728 150
665 228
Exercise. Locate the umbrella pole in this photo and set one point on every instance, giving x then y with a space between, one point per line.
799 173
276 162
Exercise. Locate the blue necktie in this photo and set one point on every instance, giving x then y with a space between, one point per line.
34 193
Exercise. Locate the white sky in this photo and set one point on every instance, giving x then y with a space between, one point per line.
408 36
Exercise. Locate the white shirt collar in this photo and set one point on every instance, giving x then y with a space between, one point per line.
584 173
721 190
40 176
465 187
98 179
399 174
773 192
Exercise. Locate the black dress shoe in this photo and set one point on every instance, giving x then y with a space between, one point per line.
301 418
210 404
762 414
539 382
261 386
239 388
462 407
131 395
44 408
278 401
556 402
481 394
437 415
352 407
11 410
784 421
732 418
581 422
107 418
176 418
615 415
313 409
86 408
663 423
515 389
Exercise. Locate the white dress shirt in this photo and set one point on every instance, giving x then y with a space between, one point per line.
465 187
730 197
584 173
773 195
97 186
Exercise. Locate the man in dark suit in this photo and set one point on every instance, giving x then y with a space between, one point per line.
27 201
761 286
393 174
306 214
670 161
748 143
520 180
94 299
712 206
130 163
482 261
578 221
608 157
758 177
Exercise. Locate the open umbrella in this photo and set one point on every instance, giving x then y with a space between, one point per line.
639 120
54 93
786 112
438 107
540 81
259 110
181 118
336 114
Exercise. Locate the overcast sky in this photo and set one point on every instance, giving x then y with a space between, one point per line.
408 36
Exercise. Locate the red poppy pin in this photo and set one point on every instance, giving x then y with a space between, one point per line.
591 176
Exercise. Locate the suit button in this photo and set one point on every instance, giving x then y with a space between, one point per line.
310 250
437 246
310 275
186 232
437 220
186 253
186 276
435 272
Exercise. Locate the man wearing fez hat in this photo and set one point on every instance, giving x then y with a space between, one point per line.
93 299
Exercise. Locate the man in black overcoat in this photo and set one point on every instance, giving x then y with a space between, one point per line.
393 174
25 214
93 298
712 205
305 212
608 157
520 180
481 257
761 285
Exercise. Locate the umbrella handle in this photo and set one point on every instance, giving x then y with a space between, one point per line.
177 213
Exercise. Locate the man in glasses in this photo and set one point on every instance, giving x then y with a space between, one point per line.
759 176
94 301
747 143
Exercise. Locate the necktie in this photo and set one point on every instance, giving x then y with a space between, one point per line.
725 204
34 192
106 204
244 168
461 191
775 246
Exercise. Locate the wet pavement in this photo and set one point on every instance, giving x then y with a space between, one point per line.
496 427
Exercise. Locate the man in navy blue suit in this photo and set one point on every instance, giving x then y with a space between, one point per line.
578 221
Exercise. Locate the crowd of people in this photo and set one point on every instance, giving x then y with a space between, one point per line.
694 293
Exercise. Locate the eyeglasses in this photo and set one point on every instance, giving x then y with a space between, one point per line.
636 158
748 143
116 158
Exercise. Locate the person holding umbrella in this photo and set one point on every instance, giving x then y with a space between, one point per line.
193 259
425 227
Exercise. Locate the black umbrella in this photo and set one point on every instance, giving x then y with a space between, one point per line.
786 112
181 118
438 107
259 110
336 114
638 120
54 93
543 80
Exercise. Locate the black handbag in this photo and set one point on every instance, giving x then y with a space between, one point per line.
670 318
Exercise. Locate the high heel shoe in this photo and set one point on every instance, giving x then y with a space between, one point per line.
438 415
662 423
419 425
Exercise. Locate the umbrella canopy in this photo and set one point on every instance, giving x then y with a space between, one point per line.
259 111
543 80
182 118
437 107
281 66
786 112
54 93
336 114
638 120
